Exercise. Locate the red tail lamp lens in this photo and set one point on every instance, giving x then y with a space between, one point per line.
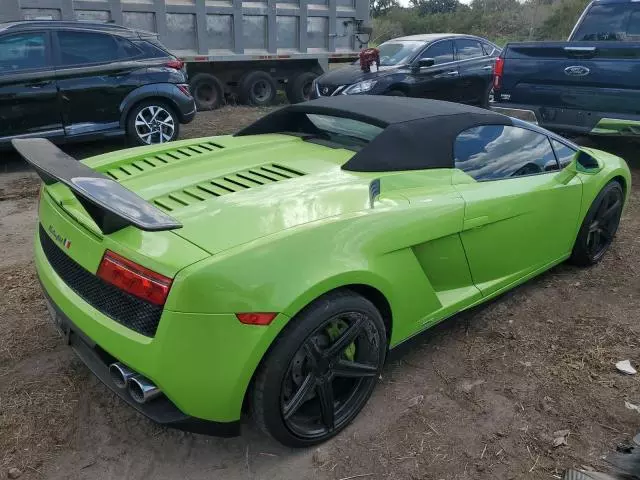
184 89
256 318
133 278
177 64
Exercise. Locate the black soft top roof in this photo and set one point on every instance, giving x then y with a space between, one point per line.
417 134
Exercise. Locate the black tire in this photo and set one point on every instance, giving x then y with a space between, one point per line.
133 134
299 87
257 88
599 226
305 358
487 93
207 91
396 93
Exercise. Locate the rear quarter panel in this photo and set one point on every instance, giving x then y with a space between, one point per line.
286 271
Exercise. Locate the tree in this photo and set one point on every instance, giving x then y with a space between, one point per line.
561 21
382 7
430 7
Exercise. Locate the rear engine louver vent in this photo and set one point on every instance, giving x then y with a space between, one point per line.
131 169
235 182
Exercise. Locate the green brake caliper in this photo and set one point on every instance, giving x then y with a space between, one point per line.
334 330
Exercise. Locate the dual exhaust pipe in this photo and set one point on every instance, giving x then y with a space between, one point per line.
139 387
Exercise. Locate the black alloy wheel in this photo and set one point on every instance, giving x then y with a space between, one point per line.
599 226
309 390
604 224
325 380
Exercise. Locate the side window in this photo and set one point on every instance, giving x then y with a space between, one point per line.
83 48
23 51
127 48
488 49
633 28
441 52
564 154
604 22
468 49
494 152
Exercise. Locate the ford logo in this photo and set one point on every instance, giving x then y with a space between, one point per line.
577 71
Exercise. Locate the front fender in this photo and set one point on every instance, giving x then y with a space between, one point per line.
612 167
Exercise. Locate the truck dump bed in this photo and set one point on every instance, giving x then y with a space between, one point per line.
220 30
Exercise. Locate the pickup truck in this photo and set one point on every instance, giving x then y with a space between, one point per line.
587 85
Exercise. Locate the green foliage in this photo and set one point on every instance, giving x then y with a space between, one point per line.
498 20
429 7
562 19
382 7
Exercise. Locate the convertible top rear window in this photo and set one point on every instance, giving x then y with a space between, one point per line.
388 133
344 131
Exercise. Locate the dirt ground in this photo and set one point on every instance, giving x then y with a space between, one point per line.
478 397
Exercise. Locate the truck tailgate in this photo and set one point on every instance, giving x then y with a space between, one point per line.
592 76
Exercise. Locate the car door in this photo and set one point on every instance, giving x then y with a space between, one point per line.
95 72
521 209
475 70
28 95
440 80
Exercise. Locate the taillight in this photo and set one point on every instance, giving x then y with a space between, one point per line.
133 278
184 88
177 64
498 69
261 318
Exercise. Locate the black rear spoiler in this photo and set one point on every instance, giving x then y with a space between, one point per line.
109 204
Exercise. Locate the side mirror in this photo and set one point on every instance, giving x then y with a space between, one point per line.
586 163
426 62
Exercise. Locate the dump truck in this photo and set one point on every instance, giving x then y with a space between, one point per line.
244 49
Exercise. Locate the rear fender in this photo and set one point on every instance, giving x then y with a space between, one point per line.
155 90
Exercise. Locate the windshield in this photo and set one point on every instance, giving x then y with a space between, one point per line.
397 52
344 131
618 22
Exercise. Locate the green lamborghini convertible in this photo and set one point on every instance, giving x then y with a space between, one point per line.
272 270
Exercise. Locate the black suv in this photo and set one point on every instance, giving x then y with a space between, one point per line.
443 66
80 81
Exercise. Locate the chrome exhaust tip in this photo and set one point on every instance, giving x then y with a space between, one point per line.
120 374
142 390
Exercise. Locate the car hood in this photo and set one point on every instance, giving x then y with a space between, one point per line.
227 191
352 74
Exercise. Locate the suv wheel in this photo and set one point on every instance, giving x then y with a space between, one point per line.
152 122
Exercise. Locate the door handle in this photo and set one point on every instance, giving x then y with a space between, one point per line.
39 84
488 67
452 73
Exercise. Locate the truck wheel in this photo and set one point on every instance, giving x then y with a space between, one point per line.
299 87
257 88
207 91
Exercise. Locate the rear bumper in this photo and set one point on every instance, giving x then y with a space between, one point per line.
186 105
203 363
161 410
584 122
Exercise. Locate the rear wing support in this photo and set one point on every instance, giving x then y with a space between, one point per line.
110 205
